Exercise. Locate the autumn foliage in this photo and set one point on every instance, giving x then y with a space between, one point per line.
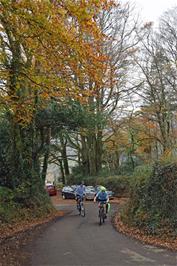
50 53
48 49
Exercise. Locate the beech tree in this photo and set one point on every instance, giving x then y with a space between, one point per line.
42 44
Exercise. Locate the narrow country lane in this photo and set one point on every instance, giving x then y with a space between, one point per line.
78 241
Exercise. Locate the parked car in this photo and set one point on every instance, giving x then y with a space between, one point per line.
68 193
51 189
74 187
90 187
89 193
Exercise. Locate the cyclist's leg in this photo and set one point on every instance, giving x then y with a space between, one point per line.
78 202
79 199
82 207
99 207
105 209
76 199
102 203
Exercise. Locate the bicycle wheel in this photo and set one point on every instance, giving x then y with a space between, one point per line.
82 210
100 221
101 215
79 207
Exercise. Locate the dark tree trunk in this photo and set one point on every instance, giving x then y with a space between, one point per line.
92 154
85 159
62 172
46 155
116 160
64 155
99 152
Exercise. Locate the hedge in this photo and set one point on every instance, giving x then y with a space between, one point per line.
153 199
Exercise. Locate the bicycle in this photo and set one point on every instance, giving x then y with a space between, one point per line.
102 214
81 207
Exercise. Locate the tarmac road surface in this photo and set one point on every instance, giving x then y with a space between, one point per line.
80 241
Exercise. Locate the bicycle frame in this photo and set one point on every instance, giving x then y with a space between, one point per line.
80 207
102 214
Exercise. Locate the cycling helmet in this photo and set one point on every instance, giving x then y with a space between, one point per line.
103 189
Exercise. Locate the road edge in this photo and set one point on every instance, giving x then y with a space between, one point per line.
135 233
21 228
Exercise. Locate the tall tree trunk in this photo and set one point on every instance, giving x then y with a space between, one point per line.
46 155
85 157
62 172
99 151
116 166
64 155
92 154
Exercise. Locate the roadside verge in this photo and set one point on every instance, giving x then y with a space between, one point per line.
164 241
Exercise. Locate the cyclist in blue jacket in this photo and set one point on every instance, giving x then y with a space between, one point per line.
80 191
102 197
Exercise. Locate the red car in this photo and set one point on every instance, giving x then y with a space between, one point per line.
51 190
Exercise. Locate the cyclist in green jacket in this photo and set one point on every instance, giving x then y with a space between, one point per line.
102 197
